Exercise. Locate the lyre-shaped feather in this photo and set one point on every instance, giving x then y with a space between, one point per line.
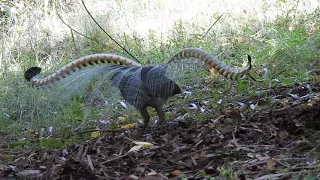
78 64
212 61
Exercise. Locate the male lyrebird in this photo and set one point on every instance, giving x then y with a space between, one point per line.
141 86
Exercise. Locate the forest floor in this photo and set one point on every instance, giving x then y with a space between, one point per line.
278 142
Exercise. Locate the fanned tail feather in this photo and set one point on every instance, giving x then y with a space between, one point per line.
32 72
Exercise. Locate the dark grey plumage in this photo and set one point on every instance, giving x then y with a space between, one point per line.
147 87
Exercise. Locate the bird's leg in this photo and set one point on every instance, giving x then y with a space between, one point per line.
145 115
161 116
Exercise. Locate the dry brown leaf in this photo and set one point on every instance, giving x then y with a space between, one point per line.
176 172
145 144
28 173
147 161
271 163
121 118
135 148
133 177
95 134
283 135
128 126
189 163
233 114
315 100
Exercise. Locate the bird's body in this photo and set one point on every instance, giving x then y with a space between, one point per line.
143 95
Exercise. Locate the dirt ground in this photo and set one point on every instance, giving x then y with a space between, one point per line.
278 142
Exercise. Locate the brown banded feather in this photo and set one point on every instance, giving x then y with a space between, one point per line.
90 60
212 61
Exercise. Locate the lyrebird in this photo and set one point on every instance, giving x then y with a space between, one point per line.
141 86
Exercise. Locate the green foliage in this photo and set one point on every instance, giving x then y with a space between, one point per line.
74 111
227 171
242 86
51 143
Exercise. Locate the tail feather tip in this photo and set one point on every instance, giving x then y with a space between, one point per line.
249 61
31 72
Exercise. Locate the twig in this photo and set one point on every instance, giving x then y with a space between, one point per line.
177 163
212 26
283 164
296 159
90 162
107 176
102 177
194 175
101 130
198 143
85 152
85 7
80 152
187 155
303 167
273 176
60 17
98 141
118 157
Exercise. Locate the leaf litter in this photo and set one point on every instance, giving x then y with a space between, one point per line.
281 141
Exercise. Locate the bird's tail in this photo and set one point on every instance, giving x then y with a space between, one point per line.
32 74
212 61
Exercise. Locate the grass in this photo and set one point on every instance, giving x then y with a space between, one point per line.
283 39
